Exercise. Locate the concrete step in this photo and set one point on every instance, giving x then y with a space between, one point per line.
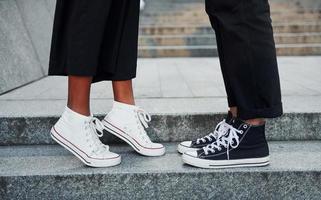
164 128
203 39
178 7
297 38
211 50
198 9
200 17
298 49
50 172
276 5
190 30
177 51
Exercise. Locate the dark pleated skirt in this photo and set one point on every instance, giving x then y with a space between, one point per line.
95 38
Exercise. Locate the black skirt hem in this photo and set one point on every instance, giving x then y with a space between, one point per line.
103 77
95 38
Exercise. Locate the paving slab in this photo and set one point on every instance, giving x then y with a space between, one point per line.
163 84
52 172
156 77
185 96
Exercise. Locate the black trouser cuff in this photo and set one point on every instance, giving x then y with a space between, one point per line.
272 112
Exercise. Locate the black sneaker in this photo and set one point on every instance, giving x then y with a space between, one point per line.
244 145
199 143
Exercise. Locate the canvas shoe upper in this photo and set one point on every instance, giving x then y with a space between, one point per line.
128 123
199 143
244 145
80 134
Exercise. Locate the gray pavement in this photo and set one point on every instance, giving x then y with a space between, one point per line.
171 85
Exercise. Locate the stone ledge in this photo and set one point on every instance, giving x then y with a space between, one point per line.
165 128
211 50
50 172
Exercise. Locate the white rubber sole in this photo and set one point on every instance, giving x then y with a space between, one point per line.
139 148
210 164
182 149
89 161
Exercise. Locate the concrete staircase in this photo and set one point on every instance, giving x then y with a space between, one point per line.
181 29
32 168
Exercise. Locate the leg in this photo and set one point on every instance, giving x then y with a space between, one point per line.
123 92
79 94
77 130
233 110
230 94
78 50
247 55
248 60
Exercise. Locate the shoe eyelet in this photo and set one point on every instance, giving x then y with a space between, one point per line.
245 126
242 131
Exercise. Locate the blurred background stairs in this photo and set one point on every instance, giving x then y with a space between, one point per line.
180 28
185 95
168 28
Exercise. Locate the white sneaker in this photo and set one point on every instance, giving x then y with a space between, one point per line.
78 134
127 122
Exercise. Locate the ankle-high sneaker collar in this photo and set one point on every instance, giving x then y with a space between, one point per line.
119 105
239 124
75 117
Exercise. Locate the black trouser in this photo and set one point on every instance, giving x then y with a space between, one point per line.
247 55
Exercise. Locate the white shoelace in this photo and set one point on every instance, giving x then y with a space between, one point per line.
95 131
143 119
98 126
225 141
220 130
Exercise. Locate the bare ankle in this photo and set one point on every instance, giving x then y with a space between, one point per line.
123 92
233 110
256 122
